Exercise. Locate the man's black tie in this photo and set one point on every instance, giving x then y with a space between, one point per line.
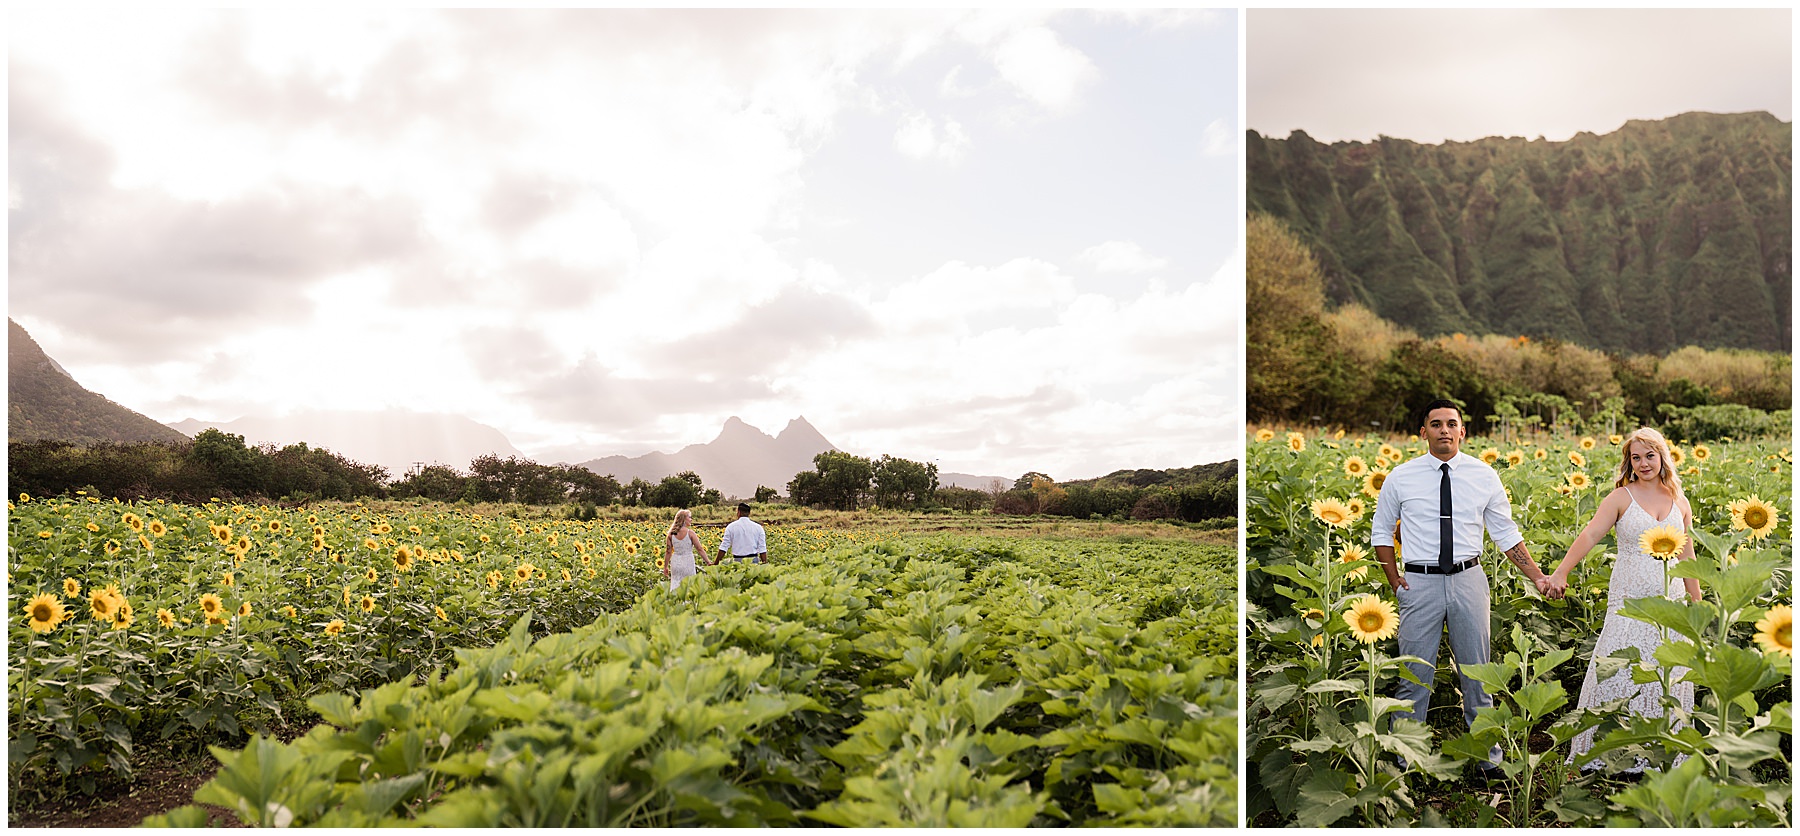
1446 541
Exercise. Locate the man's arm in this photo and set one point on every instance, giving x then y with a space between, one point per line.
1396 578
1521 557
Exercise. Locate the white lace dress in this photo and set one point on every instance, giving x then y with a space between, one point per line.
1635 575
681 563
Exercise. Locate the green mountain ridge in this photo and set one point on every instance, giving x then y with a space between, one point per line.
1661 234
44 403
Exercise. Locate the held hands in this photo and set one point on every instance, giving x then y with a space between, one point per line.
1553 586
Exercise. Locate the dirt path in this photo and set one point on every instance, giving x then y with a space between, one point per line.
158 788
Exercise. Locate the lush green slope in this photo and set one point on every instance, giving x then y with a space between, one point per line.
43 402
1657 235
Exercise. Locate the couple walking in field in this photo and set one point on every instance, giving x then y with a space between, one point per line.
1437 507
743 540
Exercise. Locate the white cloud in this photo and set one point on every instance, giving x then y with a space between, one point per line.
1121 257
952 87
1043 68
1219 139
919 138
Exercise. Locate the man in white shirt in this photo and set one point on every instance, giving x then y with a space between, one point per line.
743 539
1443 582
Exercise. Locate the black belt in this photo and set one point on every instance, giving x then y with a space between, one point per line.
1432 568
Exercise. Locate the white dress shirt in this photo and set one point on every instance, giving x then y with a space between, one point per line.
1409 495
743 538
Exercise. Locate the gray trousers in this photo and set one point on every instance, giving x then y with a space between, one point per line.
1433 602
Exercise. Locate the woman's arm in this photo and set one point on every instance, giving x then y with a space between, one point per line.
1591 535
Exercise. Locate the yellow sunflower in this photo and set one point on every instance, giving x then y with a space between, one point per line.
1663 541
1296 442
1372 483
211 605
335 627
1388 452
71 588
631 548
102 605
165 618
1514 458
46 612
372 576
244 609
1676 457
92 528
440 613
1332 512
1754 514
318 544
112 547
1356 507
660 564
1775 631
493 579
1540 454
157 528
133 521
522 572
1490 455
367 604
1577 459
1614 439
1265 434
1355 467
403 559
123 616
1314 614
1702 452
1579 481
1352 555
289 612
1587 442
371 544
230 579
1372 620
222 533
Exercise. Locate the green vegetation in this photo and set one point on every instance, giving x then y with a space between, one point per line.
1657 236
863 678
1308 364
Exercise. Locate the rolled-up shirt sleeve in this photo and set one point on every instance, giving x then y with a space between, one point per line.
1387 513
1497 514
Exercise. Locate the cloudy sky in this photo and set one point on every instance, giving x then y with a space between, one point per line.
1437 75
1000 241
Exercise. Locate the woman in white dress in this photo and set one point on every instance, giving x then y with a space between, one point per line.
679 547
1646 495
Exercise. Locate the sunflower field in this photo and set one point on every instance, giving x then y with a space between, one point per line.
1322 665
469 670
135 622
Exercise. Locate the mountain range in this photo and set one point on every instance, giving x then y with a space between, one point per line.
737 461
1657 235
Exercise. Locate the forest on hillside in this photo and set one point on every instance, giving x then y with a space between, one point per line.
1659 235
1310 364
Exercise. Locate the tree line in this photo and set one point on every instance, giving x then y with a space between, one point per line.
216 464
1310 364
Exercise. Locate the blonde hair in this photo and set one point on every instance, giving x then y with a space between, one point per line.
1655 441
681 517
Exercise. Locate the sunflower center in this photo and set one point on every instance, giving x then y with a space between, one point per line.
1756 517
42 612
1784 635
1370 622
